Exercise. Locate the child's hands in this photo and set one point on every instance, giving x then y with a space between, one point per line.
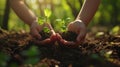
35 28
78 27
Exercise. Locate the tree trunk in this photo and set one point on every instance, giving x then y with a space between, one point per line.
6 15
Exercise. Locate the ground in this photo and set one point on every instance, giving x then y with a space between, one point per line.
97 51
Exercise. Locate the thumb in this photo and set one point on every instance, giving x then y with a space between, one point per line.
80 38
53 32
36 34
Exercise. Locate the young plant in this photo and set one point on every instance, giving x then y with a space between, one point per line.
60 25
45 20
41 20
47 13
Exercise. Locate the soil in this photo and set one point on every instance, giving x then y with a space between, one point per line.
100 51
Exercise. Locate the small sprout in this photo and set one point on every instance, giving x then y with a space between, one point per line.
41 20
47 12
60 25
45 29
67 20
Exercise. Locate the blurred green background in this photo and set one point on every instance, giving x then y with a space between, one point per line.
108 14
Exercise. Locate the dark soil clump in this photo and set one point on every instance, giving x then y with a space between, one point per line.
69 36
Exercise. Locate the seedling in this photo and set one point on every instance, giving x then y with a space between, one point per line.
45 20
47 13
41 20
60 25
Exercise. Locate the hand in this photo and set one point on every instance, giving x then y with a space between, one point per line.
35 28
79 28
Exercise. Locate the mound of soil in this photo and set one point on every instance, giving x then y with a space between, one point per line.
102 51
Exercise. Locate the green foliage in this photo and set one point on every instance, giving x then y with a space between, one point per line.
115 30
45 29
61 25
47 12
110 14
41 20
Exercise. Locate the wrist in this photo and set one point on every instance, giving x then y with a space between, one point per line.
81 22
33 24
32 21
86 24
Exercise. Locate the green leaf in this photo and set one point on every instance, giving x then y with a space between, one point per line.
41 20
60 25
67 19
47 12
45 29
58 20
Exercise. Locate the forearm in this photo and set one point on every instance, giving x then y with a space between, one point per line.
88 10
23 11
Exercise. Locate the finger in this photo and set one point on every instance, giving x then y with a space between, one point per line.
80 37
36 34
67 43
43 42
39 28
58 36
70 27
48 25
70 43
51 28
53 32
53 37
